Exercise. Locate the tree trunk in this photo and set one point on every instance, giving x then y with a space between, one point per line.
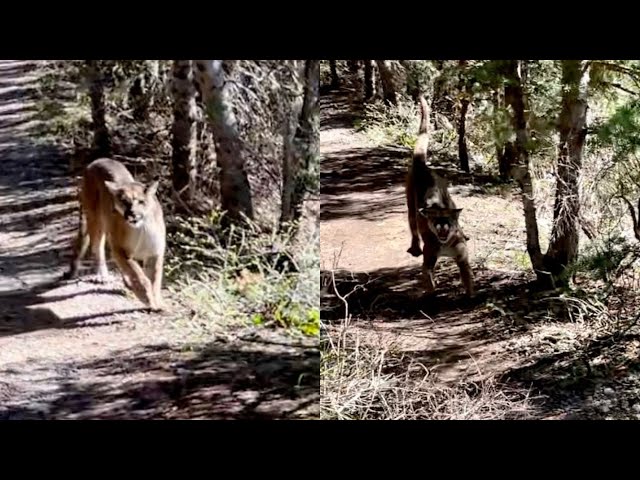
303 150
101 137
335 80
388 85
496 100
141 92
441 102
634 219
235 190
505 152
563 247
368 80
463 152
514 96
290 165
183 130
506 160
462 141
413 87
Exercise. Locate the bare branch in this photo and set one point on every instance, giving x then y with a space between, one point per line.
614 67
632 211
620 87
587 227
636 225
618 68
407 64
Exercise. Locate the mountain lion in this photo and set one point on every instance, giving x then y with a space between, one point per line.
127 214
433 215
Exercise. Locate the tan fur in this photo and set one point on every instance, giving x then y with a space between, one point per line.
433 215
127 214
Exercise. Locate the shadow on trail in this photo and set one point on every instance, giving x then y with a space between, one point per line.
391 294
32 260
17 92
35 204
38 205
342 113
214 382
53 213
363 170
506 305
21 312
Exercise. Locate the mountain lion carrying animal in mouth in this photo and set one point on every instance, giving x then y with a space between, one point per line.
127 214
433 215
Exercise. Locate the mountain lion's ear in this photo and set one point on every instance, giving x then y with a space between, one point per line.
151 190
429 212
111 186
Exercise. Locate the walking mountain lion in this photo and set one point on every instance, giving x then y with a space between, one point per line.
433 215
127 214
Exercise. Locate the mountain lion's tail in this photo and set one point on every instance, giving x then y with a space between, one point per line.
424 116
422 143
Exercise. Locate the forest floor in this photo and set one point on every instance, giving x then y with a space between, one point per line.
510 352
81 350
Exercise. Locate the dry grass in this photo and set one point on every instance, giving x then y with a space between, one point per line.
360 382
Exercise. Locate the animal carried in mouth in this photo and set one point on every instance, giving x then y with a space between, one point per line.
118 210
433 214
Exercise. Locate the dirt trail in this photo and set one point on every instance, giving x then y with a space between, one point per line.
84 350
364 235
